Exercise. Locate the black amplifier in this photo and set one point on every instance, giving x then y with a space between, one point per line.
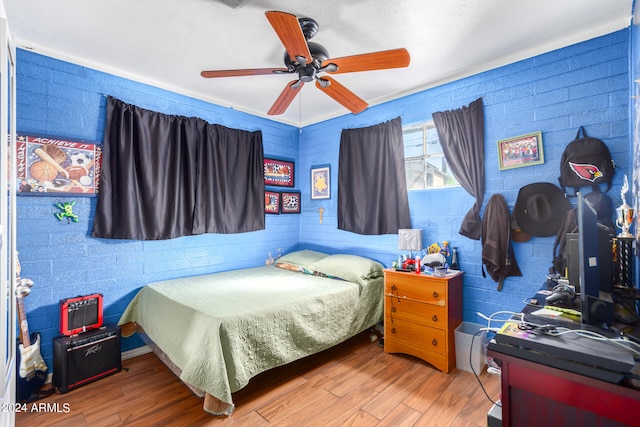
86 357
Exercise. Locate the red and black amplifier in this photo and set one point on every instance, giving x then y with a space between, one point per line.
80 314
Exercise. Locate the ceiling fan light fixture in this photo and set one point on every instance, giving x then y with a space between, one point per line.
307 59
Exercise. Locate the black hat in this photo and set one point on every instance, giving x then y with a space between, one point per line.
540 208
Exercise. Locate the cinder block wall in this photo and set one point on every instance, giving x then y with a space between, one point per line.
57 98
586 84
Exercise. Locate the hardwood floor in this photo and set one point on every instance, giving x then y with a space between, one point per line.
353 384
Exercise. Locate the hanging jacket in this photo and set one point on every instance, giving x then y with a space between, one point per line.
497 252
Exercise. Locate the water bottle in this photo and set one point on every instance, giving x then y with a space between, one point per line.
454 259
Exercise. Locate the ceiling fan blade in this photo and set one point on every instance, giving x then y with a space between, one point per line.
394 58
287 27
246 72
344 96
286 96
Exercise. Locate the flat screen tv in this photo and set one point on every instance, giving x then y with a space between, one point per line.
596 266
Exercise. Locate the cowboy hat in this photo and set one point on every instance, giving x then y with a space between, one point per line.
540 208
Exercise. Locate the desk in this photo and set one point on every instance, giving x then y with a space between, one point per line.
538 395
535 393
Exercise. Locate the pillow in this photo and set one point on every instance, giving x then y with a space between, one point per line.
353 268
299 259
287 266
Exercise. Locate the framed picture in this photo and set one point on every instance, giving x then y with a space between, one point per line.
271 202
290 202
321 182
278 172
519 151
52 166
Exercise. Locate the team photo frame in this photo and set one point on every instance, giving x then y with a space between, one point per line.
520 151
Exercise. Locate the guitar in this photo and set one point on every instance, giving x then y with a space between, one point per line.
31 373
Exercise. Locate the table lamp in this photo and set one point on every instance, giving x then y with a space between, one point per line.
409 239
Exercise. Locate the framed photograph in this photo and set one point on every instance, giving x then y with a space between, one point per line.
51 166
321 182
278 172
519 151
290 202
271 202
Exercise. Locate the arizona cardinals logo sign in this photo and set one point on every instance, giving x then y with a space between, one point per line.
586 171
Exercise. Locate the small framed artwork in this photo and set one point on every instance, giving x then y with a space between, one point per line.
290 202
278 172
49 166
321 182
271 202
519 151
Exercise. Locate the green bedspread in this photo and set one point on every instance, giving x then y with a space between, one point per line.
222 329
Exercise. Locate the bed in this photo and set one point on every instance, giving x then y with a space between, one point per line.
219 330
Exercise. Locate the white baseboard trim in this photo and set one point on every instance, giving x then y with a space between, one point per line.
139 351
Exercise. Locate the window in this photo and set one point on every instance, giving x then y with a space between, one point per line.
424 160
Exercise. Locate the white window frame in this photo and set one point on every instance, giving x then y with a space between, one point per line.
426 160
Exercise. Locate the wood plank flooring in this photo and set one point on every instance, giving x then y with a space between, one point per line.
353 384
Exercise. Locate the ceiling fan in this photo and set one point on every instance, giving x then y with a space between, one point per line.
308 60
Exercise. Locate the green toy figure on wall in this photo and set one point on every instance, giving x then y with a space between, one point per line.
67 212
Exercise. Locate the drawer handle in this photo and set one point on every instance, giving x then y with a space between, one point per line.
435 294
393 309
434 342
434 318
393 330
394 288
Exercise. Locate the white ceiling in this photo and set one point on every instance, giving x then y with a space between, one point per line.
167 43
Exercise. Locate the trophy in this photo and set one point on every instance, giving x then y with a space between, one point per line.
624 213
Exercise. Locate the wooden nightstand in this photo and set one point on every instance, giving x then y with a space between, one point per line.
421 313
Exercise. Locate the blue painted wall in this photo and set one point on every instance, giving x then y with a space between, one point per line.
62 99
556 93
585 84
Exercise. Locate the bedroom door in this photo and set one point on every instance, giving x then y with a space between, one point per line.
8 255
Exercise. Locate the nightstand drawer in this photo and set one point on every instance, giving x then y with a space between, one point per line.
432 292
419 336
417 312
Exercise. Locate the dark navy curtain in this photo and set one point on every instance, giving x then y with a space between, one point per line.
372 185
167 176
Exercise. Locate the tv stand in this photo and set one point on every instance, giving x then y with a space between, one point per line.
559 386
537 394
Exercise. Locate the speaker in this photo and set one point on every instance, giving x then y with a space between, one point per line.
86 357
80 314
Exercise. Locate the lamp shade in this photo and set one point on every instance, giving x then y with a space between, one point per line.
409 239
